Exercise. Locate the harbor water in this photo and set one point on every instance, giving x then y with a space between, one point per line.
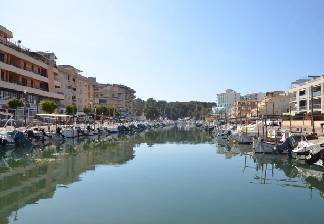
159 176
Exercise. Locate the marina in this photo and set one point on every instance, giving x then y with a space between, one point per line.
161 112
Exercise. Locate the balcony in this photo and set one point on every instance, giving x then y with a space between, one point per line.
22 52
317 93
57 83
23 72
302 108
316 106
293 99
304 96
39 92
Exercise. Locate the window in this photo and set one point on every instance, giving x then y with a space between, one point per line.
3 75
24 81
302 92
302 103
316 89
1 57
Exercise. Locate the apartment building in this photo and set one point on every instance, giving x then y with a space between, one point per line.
226 100
253 96
304 93
244 108
123 97
274 103
25 74
103 94
115 95
78 90
33 76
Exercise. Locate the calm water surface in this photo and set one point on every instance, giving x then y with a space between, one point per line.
167 176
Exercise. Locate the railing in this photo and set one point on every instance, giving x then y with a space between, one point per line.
302 107
44 74
316 106
23 50
31 90
317 93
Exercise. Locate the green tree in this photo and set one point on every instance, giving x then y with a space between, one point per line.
112 111
102 110
70 109
139 106
15 103
48 106
162 105
87 110
152 113
150 102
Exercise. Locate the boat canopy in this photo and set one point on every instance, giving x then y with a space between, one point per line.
53 115
5 114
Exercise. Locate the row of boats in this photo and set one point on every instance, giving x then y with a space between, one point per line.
272 139
11 136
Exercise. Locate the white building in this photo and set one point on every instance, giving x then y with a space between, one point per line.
300 95
227 100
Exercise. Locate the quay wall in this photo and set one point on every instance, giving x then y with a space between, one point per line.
304 126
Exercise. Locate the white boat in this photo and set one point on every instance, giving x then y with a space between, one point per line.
70 132
113 128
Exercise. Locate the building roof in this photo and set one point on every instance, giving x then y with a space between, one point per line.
6 33
302 81
70 68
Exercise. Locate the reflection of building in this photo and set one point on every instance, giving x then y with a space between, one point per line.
300 95
26 74
29 181
77 89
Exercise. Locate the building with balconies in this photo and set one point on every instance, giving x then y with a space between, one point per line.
273 103
227 100
115 95
253 96
244 108
25 74
76 88
304 93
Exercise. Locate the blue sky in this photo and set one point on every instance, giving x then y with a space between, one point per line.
178 49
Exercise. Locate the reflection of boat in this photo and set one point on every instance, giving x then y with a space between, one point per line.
261 146
313 175
307 171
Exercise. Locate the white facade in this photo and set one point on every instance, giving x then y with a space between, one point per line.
300 95
227 100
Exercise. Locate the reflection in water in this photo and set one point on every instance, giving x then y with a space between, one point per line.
298 173
29 175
